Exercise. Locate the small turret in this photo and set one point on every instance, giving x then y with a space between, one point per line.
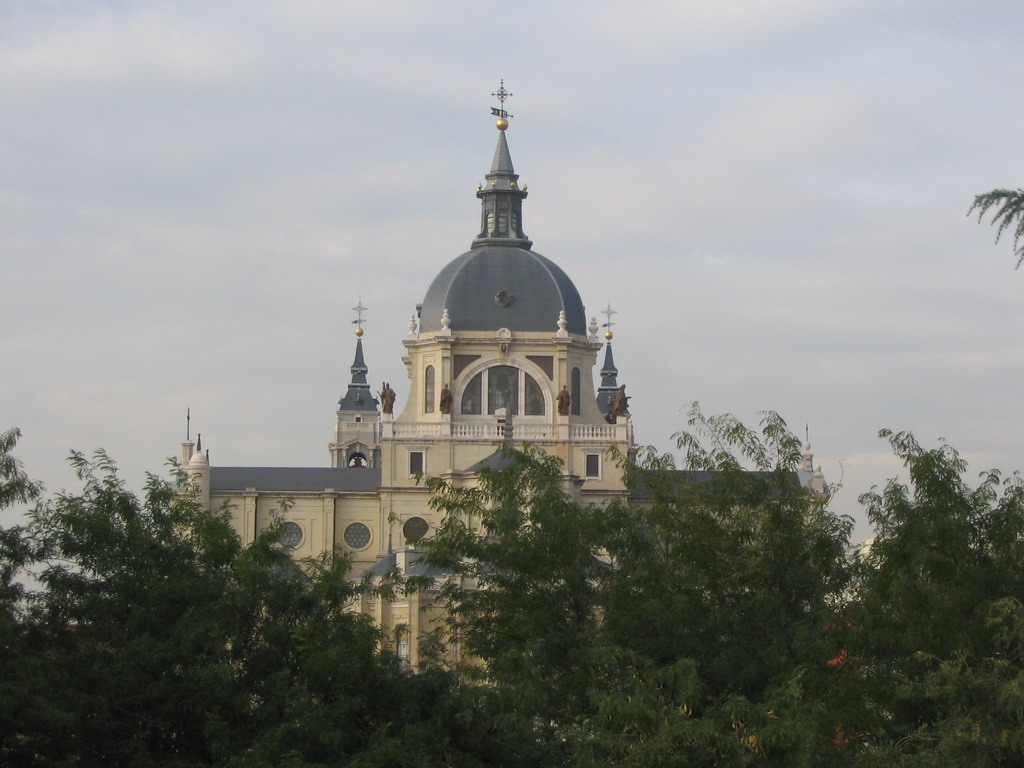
357 426
198 469
501 216
608 392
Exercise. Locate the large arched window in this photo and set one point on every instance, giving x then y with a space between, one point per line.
503 386
503 389
428 389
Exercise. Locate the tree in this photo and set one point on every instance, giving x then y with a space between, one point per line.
689 630
20 698
156 638
723 589
1008 213
937 624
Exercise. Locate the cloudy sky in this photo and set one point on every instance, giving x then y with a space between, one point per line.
771 194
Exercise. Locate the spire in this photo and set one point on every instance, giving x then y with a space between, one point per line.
609 388
501 215
609 382
502 164
358 397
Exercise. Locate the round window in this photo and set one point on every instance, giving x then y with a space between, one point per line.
415 528
290 535
357 535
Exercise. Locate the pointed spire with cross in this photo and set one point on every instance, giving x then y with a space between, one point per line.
358 397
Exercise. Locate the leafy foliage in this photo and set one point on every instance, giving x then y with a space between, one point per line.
938 615
714 619
1007 206
158 639
686 630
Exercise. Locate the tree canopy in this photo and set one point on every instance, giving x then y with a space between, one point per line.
716 617
155 638
1007 206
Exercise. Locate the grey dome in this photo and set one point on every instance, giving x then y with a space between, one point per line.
503 286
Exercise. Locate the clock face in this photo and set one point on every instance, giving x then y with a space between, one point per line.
290 535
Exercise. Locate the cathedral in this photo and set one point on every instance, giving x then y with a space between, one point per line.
499 351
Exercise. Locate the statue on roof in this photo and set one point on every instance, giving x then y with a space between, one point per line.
620 406
387 398
564 401
445 404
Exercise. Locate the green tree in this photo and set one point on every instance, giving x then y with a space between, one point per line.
21 699
723 587
937 621
156 638
1007 206
523 600
688 629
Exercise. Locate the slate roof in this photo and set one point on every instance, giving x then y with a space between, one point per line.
296 479
497 460
387 563
535 290
501 282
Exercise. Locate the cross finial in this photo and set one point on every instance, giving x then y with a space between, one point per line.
358 322
501 94
608 312
607 325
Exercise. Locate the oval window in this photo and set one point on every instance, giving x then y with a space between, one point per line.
415 528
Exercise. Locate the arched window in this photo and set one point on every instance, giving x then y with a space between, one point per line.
490 223
503 386
533 398
471 397
575 392
357 460
428 389
503 389
502 223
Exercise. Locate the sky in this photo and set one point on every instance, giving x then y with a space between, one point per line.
771 195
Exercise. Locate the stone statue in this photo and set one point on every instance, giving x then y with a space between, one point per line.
564 401
387 399
619 406
445 406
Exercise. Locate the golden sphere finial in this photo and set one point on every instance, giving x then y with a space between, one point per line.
359 333
502 123
608 335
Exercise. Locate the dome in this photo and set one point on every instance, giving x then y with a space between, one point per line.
503 286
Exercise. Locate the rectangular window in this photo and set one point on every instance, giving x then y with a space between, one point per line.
593 466
461 361
575 392
428 389
415 462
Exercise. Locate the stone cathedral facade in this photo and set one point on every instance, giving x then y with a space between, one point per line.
500 350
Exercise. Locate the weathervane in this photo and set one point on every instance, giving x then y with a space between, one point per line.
608 312
501 94
358 322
